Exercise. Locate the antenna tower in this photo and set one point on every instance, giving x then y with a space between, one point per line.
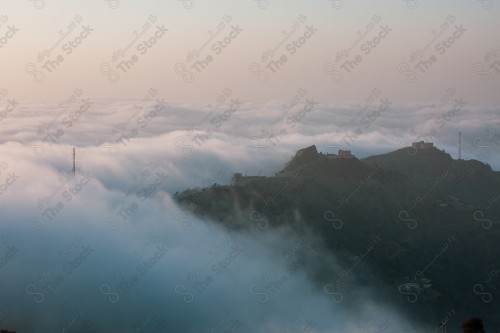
459 145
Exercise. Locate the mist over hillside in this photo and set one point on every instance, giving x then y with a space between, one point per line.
414 227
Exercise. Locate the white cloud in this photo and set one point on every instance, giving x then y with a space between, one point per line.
77 241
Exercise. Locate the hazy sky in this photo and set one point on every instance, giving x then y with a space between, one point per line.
437 64
469 27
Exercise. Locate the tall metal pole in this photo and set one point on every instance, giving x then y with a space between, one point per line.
459 145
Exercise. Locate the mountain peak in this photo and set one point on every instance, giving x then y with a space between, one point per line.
310 151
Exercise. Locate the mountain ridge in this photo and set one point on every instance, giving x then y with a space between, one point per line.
414 200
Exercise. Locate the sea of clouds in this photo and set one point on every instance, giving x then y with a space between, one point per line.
108 249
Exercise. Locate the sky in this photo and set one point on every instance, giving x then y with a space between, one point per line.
154 105
337 26
414 53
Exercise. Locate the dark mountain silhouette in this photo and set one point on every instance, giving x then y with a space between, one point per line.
471 181
432 222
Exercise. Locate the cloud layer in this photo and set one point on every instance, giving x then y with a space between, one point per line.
108 247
